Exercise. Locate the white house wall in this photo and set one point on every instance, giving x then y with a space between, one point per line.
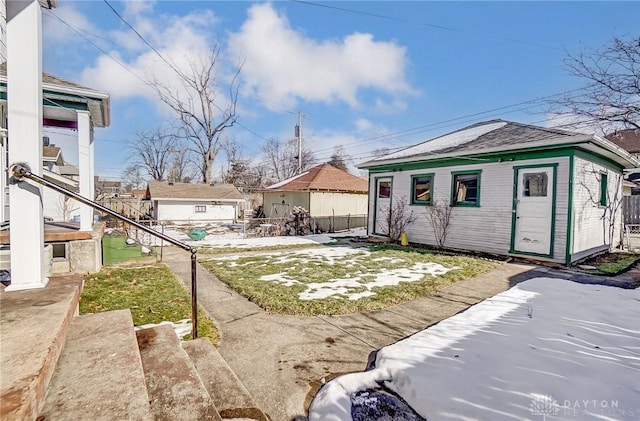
590 220
486 228
184 211
329 204
53 206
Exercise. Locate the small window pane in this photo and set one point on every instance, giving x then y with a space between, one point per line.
421 189
466 189
603 189
201 209
535 184
59 250
384 189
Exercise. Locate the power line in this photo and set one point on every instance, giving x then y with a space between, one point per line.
429 25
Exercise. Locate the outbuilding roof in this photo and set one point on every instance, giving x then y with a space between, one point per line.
158 190
500 136
323 177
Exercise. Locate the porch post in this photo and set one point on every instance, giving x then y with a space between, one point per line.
85 149
24 107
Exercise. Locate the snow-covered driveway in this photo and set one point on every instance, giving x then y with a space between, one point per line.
545 349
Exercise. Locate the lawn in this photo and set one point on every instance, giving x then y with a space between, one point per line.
612 263
339 280
152 293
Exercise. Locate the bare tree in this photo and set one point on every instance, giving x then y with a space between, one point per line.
202 114
439 214
152 150
340 159
182 168
610 204
281 158
65 206
133 177
398 218
611 97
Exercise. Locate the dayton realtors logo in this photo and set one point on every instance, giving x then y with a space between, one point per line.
544 405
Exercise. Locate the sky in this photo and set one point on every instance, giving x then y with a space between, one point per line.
363 74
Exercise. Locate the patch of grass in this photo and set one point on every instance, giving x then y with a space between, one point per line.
152 293
275 282
618 263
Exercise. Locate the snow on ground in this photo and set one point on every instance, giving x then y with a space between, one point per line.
545 349
236 240
351 285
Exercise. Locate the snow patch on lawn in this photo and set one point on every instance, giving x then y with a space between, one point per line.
348 287
544 348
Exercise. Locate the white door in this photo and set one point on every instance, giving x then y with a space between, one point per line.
533 210
383 203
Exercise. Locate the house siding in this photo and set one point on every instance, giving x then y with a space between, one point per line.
590 220
486 228
329 204
182 211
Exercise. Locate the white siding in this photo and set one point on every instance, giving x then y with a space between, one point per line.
329 204
590 220
184 211
486 228
53 206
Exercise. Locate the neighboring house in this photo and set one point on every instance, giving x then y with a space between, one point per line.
56 206
324 190
185 202
629 140
105 188
514 189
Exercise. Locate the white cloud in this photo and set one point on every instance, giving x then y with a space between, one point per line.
283 66
181 40
56 32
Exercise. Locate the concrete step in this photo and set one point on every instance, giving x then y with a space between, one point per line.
175 389
33 326
232 399
99 375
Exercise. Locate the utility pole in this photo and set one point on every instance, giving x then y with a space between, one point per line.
299 136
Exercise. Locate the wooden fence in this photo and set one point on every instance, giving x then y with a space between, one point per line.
631 209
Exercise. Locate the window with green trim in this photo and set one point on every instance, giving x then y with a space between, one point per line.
466 188
422 189
603 189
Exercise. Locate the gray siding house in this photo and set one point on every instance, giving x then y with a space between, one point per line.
513 189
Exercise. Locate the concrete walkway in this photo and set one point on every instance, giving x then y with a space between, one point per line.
282 359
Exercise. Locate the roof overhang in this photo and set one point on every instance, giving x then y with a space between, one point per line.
591 143
194 199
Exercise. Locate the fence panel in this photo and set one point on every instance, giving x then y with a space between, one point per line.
631 209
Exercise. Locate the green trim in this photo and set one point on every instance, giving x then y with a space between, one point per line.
61 103
412 190
474 204
569 245
604 189
553 209
507 156
375 203
592 157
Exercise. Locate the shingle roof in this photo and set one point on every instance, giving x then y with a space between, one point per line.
628 140
478 138
323 177
162 190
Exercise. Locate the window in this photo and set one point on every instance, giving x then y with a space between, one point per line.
535 184
384 189
59 251
603 189
422 189
466 188
201 208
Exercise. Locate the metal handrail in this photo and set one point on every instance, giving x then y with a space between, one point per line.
23 171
